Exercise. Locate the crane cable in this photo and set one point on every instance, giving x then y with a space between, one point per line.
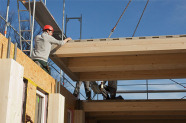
140 18
119 19
178 83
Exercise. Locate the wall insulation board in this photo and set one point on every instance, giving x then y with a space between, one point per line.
11 89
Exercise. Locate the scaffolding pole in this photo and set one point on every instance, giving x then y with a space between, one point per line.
7 12
32 33
78 18
63 19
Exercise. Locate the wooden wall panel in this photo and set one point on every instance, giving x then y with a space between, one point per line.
149 105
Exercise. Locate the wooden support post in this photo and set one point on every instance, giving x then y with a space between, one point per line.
79 116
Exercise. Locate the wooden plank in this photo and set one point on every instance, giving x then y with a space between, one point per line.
169 105
135 113
127 63
123 47
142 117
133 75
144 121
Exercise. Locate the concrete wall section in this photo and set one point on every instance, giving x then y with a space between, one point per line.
11 89
56 108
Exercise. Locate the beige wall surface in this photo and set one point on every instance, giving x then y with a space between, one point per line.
11 89
56 108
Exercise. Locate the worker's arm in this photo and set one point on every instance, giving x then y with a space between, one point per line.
52 40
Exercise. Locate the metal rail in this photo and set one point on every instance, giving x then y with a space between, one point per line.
150 84
64 78
150 91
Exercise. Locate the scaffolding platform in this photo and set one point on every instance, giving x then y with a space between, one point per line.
44 17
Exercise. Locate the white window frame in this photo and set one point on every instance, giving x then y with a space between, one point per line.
43 105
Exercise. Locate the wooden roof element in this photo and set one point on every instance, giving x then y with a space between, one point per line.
157 57
122 110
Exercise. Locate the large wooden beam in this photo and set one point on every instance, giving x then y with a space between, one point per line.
151 105
127 63
136 115
134 75
123 47
123 58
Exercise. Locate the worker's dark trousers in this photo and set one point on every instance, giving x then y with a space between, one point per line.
43 65
112 87
86 86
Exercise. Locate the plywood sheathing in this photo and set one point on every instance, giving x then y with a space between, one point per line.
157 57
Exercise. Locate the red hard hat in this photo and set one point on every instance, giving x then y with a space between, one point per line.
48 27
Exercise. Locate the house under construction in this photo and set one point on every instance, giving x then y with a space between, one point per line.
29 93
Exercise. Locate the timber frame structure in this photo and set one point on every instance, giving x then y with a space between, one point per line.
157 57
131 58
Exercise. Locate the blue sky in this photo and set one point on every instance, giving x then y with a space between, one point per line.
162 17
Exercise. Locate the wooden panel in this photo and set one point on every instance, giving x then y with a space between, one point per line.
123 59
123 47
56 107
134 75
168 105
140 117
127 63
143 121
79 116
135 113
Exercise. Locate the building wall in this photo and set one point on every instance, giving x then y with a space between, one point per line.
36 77
70 102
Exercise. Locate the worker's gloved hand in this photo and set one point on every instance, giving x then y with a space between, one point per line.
67 39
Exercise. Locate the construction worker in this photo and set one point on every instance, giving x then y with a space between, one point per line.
86 86
111 88
43 45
